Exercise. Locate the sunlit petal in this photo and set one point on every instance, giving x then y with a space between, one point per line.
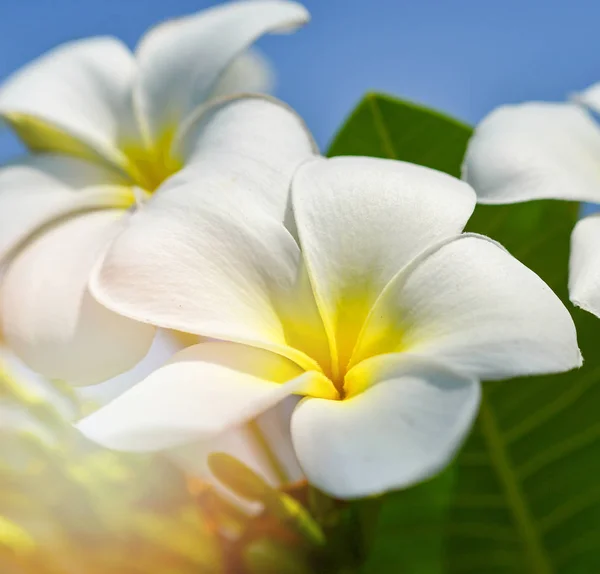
181 61
251 145
202 392
74 99
209 253
534 151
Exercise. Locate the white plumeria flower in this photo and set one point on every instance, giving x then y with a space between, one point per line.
47 315
96 100
108 127
543 150
369 302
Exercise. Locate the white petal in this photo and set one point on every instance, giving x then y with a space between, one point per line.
275 427
74 99
48 316
251 145
362 219
182 60
38 189
584 266
204 258
164 346
535 151
401 430
204 391
589 97
250 72
198 270
470 304
242 443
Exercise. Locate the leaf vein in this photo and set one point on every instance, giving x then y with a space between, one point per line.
554 408
559 451
514 493
386 140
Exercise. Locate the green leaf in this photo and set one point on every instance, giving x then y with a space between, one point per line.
382 126
407 533
527 495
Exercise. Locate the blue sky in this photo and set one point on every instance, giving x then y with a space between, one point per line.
461 56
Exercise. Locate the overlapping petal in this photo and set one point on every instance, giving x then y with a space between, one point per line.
404 428
250 145
584 265
468 303
211 269
78 101
209 253
38 189
274 425
382 265
205 390
237 275
181 61
242 443
74 99
164 346
249 73
48 316
362 219
535 151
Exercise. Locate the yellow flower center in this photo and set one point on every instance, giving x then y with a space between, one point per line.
337 348
147 165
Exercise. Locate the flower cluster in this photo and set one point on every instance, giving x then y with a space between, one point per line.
339 296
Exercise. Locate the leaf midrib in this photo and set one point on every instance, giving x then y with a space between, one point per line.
386 139
536 552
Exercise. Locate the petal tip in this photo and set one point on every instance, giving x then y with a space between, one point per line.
298 17
585 302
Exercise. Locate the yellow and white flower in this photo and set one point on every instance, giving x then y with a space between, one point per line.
95 100
543 150
107 128
368 300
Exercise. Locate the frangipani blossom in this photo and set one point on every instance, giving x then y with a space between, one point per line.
107 128
369 302
276 463
542 150
47 314
95 100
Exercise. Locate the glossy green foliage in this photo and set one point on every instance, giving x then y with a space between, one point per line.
526 492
